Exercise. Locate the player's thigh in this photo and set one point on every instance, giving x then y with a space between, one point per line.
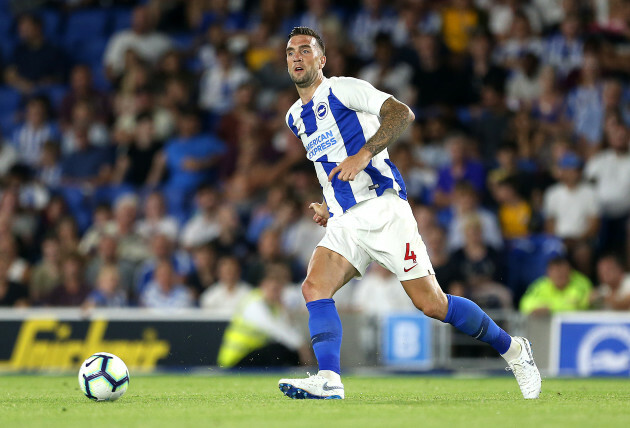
426 295
328 271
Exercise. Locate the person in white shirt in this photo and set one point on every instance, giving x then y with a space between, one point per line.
141 38
572 212
380 293
609 170
226 295
165 291
156 221
204 226
613 292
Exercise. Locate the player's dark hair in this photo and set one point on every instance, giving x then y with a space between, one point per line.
305 31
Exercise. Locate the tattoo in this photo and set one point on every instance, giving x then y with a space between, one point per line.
395 118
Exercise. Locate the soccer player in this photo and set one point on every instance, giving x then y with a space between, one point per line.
346 126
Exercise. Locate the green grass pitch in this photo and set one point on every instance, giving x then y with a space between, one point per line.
255 401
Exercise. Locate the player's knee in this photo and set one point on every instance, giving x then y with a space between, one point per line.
432 307
312 290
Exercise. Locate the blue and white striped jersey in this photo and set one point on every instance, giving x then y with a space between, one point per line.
336 123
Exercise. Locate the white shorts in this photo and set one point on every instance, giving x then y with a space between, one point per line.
381 229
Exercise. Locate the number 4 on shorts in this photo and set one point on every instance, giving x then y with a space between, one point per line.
410 255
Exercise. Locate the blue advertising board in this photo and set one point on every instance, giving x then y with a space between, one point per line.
406 341
591 344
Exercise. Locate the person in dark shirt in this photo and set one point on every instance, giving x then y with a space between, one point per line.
35 61
73 290
82 90
135 163
11 293
88 163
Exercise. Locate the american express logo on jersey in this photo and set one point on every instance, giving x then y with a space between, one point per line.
320 143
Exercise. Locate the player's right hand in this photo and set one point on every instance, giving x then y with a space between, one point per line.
321 213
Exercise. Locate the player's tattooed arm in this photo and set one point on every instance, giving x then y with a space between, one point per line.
395 118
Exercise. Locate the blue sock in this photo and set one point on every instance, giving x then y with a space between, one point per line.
469 318
325 327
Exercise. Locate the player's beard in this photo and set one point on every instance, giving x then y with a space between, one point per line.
306 80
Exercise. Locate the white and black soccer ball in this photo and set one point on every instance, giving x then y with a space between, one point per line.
103 377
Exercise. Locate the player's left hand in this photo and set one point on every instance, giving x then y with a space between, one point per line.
351 166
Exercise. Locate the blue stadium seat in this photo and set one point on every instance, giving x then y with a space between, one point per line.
78 205
5 25
10 100
52 22
55 94
84 24
182 41
8 124
90 52
7 45
98 77
121 20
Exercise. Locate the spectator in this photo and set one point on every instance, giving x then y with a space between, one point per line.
11 293
385 73
108 292
431 78
82 90
465 205
47 273
141 38
8 156
261 333
226 295
155 220
480 269
492 125
107 256
131 246
519 42
163 250
83 121
204 226
137 162
101 221
191 159
166 291
270 252
515 213
29 138
613 292
18 269
72 291
572 212
461 167
610 172
459 19
523 86
49 171
563 289
88 164
380 293
35 61
203 275
218 83
372 18
564 50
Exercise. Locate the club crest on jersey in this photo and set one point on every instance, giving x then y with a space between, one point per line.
321 111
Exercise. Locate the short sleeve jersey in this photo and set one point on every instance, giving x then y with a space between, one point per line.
336 123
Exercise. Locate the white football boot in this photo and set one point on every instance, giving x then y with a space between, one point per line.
525 370
313 387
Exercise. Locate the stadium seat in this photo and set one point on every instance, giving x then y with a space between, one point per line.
182 41
78 205
121 20
7 45
51 19
10 100
90 52
5 25
55 94
98 77
83 24
8 125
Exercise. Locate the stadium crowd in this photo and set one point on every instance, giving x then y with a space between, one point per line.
145 159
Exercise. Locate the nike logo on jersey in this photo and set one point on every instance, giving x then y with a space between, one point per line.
325 387
407 270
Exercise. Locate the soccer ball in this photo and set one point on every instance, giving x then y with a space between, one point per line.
103 377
